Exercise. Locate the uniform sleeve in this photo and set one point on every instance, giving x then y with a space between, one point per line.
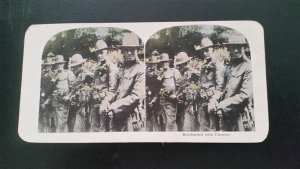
113 77
177 75
220 80
71 76
137 92
112 82
235 101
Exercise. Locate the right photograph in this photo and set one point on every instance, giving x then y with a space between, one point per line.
199 78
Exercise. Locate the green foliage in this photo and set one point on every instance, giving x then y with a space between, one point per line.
80 40
183 38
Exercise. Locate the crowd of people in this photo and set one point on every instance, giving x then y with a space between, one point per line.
106 98
215 96
179 94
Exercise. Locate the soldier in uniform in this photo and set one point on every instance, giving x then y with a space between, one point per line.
187 94
47 86
78 119
124 106
211 83
61 100
238 85
152 90
167 94
105 84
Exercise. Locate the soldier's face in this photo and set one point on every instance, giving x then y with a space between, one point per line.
236 51
77 67
101 55
208 53
151 67
60 66
165 65
130 54
47 68
182 67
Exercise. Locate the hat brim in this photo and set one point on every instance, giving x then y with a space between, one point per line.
178 63
60 62
152 62
48 64
227 44
72 65
102 49
167 60
131 46
210 46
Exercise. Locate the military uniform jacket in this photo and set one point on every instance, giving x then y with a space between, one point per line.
212 77
131 89
106 79
238 81
65 78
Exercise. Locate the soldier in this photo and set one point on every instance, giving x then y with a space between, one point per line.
238 81
187 94
152 90
105 84
61 99
79 109
167 94
47 86
131 89
211 83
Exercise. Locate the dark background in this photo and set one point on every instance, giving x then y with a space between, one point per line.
281 22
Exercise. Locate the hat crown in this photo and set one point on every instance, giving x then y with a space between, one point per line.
181 57
76 58
130 39
205 42
236 38
50 54
48 61
164 57
100 44
155 53
152 59
59 59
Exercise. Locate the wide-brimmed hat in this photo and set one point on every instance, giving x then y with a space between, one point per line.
155 53
164 57
205 43
152 59
181 58
76 59
130 40
99 46
59 59
236 38
50 54
48 61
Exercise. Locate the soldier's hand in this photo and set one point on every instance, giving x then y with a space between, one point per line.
103 109
220 113
212 105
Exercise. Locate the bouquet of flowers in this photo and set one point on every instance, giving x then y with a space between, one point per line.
190 93
81 95
90 65
102 69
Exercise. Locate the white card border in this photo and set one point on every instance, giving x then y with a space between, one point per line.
37 36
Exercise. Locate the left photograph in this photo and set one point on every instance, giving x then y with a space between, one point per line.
92 80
